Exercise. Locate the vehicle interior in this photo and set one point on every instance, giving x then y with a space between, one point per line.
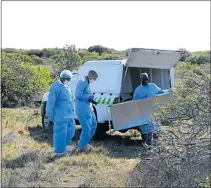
131 80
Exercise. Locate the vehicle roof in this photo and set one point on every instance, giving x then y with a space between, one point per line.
105 62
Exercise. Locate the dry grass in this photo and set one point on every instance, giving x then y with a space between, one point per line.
27 158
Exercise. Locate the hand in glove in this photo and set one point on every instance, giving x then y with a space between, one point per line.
91 97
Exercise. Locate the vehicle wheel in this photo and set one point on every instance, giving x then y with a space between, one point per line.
100 131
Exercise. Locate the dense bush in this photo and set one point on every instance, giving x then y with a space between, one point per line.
38 53
99 49
36 60
96 52
22 82
182 156
68 58
200 57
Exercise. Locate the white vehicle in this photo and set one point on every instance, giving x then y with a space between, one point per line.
117 80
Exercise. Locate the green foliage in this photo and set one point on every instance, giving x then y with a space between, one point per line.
102 53
22 82
87 56
36 60
207 182
112 56
67 59
109 55
16 57
53 55
20 63
99 49
199 57
186 54
191 98
38 53
183 151
202 53
47 52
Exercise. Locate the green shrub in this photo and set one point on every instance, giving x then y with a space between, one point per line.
36 60
22 82
68 58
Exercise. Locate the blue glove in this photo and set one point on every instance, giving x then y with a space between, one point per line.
91 97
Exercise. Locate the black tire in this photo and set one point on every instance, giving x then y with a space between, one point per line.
101 130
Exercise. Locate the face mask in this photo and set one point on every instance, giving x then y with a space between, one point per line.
66 83
91 81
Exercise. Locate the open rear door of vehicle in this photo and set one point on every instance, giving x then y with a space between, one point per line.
135 113
152 58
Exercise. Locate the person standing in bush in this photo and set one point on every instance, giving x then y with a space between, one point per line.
59 110
147 90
